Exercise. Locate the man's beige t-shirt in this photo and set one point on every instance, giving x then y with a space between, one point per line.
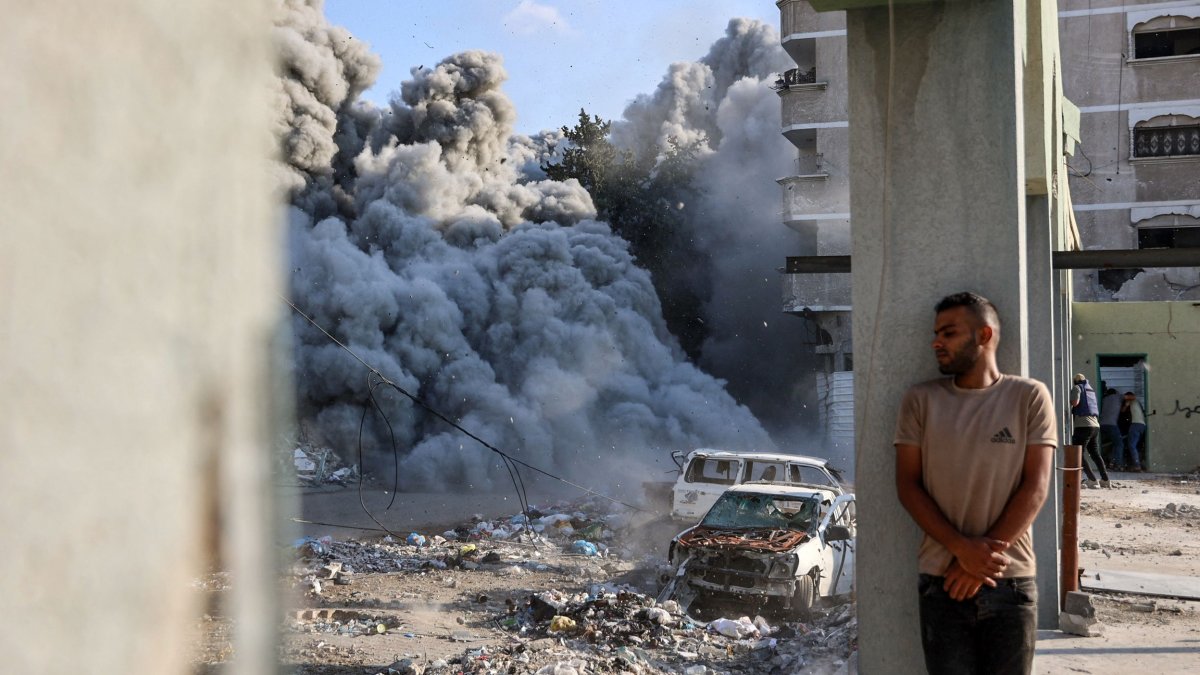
972 455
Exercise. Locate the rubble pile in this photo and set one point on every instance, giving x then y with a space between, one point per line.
1174 511
619 630
484 544
572 611
320 466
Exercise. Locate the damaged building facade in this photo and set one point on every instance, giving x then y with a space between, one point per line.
816 200
1134 72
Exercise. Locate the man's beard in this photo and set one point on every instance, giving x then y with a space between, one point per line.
962 360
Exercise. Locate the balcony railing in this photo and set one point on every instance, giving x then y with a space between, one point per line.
816 292
794 77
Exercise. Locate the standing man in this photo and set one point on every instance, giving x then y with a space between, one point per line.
974 453
1110 409
1137 427
1085 418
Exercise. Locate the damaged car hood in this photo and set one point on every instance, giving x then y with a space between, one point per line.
765 540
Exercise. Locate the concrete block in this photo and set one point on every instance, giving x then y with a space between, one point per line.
1078 625
1079 616
1079 604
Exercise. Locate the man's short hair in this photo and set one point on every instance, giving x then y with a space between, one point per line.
980 307
1080 377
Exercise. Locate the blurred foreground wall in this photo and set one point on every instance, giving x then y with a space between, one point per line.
139 267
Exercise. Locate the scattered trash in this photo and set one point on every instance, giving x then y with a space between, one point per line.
317 466
658 615
621 623
585 547
312 546
739 628
302 463
405 667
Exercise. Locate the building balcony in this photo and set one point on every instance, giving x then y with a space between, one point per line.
811 108
812 196
816 293
800 26
797 78
797 17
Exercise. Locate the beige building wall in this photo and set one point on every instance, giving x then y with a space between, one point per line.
1116 192
1168 334
139 273
814 115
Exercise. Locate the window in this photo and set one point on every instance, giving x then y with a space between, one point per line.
1169 237
717 471
1166 36
766 471
1167 136
1169 231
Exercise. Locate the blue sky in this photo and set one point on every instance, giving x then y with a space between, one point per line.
560 55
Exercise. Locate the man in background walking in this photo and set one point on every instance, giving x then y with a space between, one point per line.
1085 417
1137 427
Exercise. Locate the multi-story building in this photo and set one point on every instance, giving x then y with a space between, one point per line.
1133 70
816 197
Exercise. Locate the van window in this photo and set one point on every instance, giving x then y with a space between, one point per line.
808 475
716 471
765 471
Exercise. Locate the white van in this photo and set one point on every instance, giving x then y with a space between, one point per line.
704 474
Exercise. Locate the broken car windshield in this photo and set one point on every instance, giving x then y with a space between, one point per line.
740 510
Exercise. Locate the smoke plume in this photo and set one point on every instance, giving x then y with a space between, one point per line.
724 103
423 237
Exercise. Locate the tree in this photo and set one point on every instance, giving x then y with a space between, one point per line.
645 198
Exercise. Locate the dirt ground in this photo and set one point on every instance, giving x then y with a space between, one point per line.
1132 528
364 602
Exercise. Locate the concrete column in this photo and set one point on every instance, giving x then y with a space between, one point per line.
140 261
1044 348
938 169
1042 92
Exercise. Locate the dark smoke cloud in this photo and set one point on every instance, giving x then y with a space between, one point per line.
724 103
423 236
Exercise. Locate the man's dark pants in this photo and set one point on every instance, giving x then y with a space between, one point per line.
993 633
1089 438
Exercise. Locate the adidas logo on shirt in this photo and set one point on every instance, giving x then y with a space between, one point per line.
1003 436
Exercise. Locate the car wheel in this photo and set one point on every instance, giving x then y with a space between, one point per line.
806 592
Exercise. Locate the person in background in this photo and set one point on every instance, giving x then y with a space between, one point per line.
1110 409
1137 427
1085 417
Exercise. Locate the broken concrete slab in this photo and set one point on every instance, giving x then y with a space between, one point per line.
1079 616
1142 583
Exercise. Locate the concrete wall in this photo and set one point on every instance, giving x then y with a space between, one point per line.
1168 333
139 267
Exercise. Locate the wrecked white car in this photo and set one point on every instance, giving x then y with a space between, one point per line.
760 543
705 474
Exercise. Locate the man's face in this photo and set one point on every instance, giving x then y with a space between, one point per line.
955 344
